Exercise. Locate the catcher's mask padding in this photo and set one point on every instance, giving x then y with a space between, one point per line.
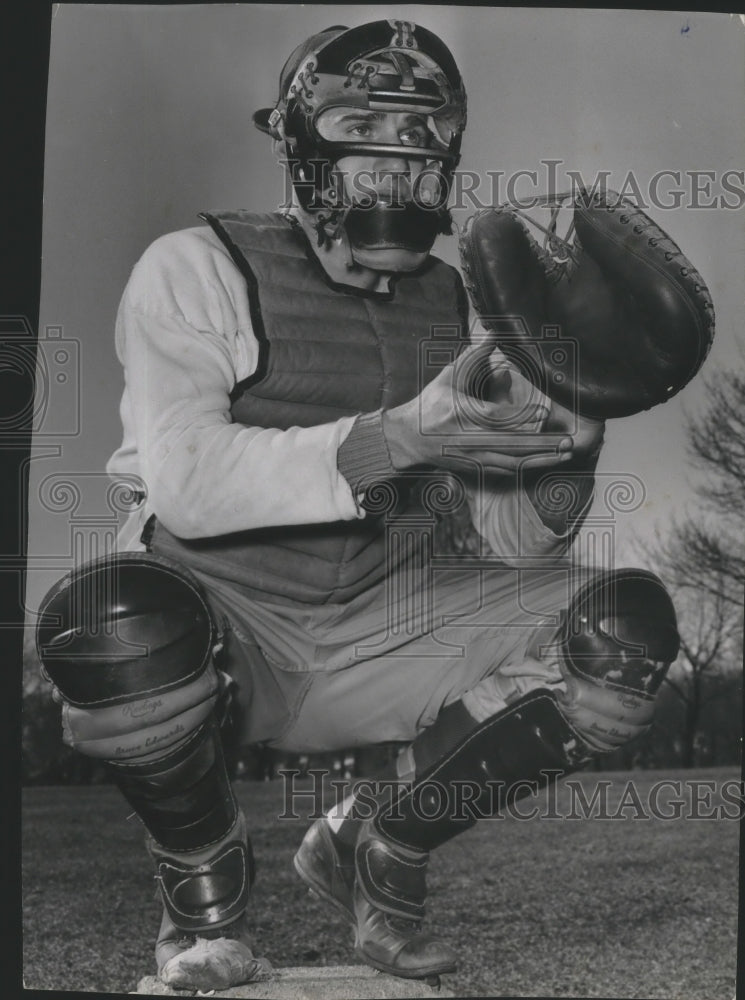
396 226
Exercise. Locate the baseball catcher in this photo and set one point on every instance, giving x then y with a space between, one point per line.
305 393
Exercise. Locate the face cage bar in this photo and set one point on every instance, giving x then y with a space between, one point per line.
409 99
329 152
335 150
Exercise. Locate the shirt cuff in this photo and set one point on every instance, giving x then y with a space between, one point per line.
363 457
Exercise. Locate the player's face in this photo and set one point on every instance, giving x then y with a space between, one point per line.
390 176
383 176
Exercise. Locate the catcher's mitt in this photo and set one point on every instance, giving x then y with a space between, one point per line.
608 320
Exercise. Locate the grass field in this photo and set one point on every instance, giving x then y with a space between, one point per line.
628 907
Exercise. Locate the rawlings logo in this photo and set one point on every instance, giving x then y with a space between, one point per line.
141 709
631 702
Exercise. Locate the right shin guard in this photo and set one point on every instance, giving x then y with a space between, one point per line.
183 795
128 644
198 839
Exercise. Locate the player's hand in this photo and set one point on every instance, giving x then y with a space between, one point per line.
477 411
587 434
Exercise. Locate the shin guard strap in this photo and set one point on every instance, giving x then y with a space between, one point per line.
392 880
183 797
201 897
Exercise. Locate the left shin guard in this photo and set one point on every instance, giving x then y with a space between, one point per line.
617 641
514 753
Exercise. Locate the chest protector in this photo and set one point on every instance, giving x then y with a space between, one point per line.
326 351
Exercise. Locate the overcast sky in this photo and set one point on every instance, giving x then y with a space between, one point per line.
149 123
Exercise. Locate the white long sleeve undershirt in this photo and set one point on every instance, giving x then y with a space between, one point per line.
184 336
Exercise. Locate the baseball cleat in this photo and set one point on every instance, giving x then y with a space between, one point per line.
398 945
326 865
392 943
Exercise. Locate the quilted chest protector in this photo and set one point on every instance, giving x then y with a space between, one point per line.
326 352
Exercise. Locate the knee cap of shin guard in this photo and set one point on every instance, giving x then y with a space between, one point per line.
123 627
621 632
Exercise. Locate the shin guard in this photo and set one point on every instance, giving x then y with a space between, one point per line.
514 753
128 644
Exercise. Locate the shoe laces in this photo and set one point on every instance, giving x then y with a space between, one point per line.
230 931
186 941
404 925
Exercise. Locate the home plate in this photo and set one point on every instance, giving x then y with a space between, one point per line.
333 982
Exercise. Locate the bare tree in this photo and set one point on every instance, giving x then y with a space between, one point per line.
707 667
701 555
707 548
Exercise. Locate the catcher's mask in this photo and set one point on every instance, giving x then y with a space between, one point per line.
383 66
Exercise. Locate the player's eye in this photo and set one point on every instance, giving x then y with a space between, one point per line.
416 136
361 129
